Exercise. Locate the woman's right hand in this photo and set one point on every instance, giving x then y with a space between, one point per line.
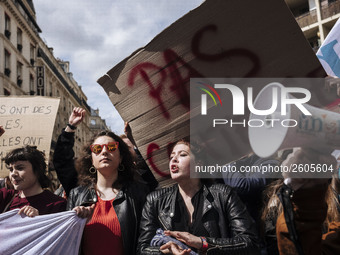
185 237
77 116
84 211
308 157
173 248
29 211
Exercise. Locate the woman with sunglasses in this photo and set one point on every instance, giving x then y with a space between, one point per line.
195 215
107 194
63 156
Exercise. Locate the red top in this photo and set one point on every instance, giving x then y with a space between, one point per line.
45 202
102 235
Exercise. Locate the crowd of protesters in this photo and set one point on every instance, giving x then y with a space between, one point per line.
111 186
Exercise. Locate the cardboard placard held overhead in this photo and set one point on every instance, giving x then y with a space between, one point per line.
27 121
150 88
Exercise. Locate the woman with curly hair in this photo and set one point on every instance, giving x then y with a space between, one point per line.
100 182
108 196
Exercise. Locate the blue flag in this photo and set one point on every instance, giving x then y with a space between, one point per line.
329 52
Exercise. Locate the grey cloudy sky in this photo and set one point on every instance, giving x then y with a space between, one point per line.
96 35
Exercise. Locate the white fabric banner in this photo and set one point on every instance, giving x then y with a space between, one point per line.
329 52
58 233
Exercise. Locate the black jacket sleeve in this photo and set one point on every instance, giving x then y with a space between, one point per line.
244 238
145 173
63 161
148 226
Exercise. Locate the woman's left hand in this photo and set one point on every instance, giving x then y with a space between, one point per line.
85 211
173 248
29 211
185 237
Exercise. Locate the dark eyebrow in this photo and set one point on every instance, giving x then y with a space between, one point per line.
18 165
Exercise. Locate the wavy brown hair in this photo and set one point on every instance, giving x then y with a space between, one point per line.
84 162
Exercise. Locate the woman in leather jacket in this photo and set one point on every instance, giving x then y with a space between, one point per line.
108 196
207 218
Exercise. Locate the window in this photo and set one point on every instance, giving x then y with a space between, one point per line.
32 54
58 120
7 63
19 39
31 85
64 103
7 26
51 91
7 92
19 74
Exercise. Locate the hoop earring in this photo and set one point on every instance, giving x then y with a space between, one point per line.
92 170
121 167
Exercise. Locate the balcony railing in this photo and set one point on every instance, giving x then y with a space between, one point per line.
330 9
307 19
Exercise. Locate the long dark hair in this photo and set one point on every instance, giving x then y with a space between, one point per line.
84 163
35 157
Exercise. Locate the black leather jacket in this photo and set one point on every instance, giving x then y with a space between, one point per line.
128 206
231 229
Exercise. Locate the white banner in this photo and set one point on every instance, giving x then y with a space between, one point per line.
57 233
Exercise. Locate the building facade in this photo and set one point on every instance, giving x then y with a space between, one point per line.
315 17
28 67
96 122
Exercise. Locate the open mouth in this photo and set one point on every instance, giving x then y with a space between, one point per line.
16 182
174 169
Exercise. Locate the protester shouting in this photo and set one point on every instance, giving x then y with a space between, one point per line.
27 174
198 216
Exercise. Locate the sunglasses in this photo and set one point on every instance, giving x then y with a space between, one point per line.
97 148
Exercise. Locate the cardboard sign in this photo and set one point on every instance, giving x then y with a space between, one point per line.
150 88
27 121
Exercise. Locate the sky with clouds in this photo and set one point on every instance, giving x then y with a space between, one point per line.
94 36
